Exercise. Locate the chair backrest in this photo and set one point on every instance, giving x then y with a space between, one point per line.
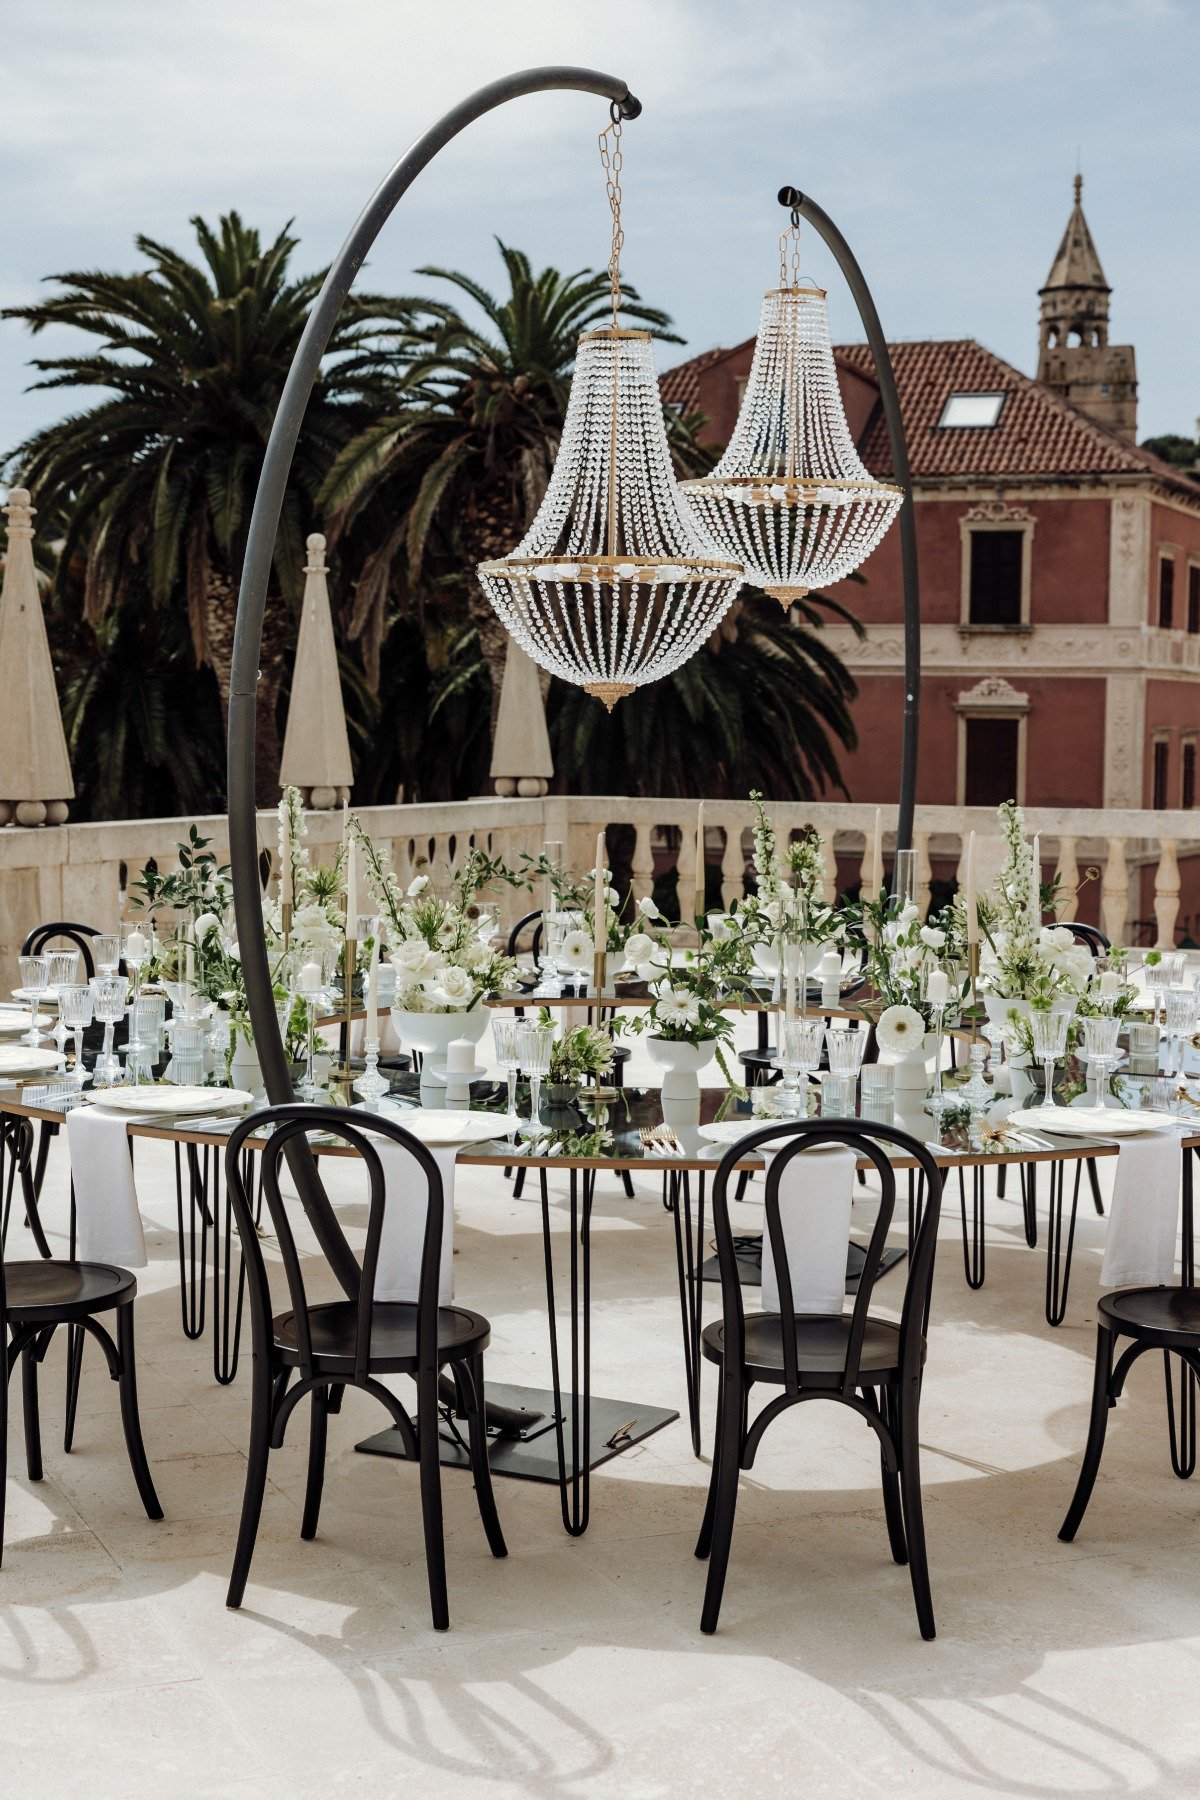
58 933
287 1126
513 947
786 1140
1091 935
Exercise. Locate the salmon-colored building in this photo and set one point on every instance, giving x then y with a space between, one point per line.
1059 565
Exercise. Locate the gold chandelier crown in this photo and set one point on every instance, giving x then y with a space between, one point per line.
791 497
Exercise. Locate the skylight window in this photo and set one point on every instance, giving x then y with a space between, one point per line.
970 411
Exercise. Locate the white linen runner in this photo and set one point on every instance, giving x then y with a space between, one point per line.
108 1221
1139 1248
815 1196
398 1271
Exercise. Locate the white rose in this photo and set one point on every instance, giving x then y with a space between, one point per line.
647 906
417 885
453 987
410 956
908 915
932 938
639 948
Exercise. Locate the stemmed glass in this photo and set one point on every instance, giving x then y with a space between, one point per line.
845 1050
1100 1049
554 928
135 950
799 1055
106 953
1049 1032
74 1015
536 1042
313 984
63 972
1180 1007
108 1003
35 979
506 1036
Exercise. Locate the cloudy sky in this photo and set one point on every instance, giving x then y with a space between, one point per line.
941 134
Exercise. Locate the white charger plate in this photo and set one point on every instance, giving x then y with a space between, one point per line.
20 1059
175 1102
44 996
728 1131
1090 1121
14 1023
440 1128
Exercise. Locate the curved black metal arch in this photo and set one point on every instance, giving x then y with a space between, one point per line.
820 221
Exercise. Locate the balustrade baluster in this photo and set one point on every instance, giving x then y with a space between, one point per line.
1166 894
1114 892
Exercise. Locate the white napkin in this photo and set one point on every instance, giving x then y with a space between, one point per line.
108 1222
1139 1250
398 1271
815 1196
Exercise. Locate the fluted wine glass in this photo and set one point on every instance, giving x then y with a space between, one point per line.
1049 1033
35 979
536 1043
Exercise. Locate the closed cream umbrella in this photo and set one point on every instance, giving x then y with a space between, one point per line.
35 770
316 749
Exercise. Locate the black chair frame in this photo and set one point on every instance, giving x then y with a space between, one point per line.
886 1395
286 1345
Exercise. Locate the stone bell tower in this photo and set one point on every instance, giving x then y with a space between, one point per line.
1075 357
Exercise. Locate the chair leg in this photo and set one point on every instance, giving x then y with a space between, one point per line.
1097 1426
129 1414
256 1479
317 1435
75 1337
726 1499
4 1371
914 1517
704 1541
893 1510
29 1399
471 1385
428 1446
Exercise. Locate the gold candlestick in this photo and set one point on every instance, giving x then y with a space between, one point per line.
285 915
599 972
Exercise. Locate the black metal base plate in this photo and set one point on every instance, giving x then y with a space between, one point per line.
535 1456
749 1258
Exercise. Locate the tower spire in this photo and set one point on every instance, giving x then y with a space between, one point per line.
1075 356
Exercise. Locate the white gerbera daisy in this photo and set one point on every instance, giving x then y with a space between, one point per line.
900 1029
577 949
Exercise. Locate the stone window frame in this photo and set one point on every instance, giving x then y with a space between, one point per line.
995 515
991 698
1160 738
1190 740
1191 578
1168 553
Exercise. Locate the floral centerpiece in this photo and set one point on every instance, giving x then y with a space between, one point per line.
787 919
685 1025
1021 959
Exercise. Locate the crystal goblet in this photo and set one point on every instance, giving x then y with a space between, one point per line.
506 1037
536 1042
109 999
63 972
35 979
75 1005
1100 1049
1049 1033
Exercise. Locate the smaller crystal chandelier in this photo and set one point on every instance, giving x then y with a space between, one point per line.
791 497
615 583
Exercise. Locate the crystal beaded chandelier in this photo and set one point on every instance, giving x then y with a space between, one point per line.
615 583
791 497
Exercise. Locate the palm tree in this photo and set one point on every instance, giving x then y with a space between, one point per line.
454 474
155 482
761 705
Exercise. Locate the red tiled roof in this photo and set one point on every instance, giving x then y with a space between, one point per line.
680 386
1038 434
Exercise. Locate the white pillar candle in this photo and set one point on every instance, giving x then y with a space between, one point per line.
1110 985
972 902
1035 891
600 907
135 947
937 988
310 978
352 888
286 896
460 1057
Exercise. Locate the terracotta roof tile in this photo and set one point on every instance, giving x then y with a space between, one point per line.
1037 434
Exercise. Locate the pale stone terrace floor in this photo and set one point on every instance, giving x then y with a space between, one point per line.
577 1668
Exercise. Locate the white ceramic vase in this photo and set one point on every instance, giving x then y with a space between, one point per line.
245 1071
681 1064
433 1033
913 1074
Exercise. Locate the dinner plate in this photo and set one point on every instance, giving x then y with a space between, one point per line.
728 1131
175 1102
1089 1121
438 1128
19 1059
44 996
14 1023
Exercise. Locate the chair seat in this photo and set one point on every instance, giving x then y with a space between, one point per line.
64 1291
821 1343
334 1330
1169 1313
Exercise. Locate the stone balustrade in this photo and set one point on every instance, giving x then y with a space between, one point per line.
1148 889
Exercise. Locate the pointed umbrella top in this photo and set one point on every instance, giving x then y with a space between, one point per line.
1077 261
35 770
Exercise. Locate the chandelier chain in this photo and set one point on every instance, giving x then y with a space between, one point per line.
611 162
790 237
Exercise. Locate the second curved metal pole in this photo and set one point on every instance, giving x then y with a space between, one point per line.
820 221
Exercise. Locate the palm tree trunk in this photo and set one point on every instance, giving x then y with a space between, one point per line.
279 630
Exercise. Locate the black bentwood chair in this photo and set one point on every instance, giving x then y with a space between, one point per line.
869 1364
35 1299
350 1342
